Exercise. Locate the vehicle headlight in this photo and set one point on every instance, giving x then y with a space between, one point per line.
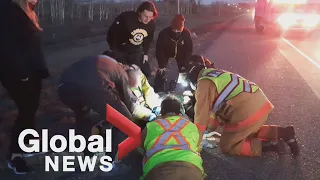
311 21
286 20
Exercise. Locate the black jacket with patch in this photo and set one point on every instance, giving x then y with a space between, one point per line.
127 33
173 45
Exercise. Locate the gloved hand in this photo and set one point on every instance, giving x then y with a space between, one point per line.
156 110
208 144
211 139
152 117
183 69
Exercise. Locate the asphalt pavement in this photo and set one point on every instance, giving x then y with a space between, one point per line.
289 79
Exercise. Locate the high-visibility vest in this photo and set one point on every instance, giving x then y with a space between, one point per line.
138 93
169 139
228 85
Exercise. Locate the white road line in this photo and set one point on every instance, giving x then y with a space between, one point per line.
302 53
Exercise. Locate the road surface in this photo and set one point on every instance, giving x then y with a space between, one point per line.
287 70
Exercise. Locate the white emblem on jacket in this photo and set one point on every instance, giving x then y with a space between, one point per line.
138 36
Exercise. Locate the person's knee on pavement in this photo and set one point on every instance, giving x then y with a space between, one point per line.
225 147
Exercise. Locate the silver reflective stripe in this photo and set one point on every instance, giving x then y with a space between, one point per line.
60 85
247 86
225 92
167 134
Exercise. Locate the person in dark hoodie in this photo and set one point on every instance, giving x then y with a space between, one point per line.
22 69
174 46
130 35
93 82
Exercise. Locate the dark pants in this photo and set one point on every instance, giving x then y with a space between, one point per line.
133 57
175 170
26 95
77 97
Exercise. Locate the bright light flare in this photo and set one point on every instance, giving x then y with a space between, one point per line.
290 19
291 1
311 21
287 20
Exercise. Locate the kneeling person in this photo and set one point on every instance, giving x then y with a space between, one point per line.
170 145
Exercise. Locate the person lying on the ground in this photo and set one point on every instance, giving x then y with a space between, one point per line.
170 144
174 47
93 82
131 33
243 108
145 94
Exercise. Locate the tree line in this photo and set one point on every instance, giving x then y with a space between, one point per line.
64 11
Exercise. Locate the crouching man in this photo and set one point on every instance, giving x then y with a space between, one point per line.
170 145
91 83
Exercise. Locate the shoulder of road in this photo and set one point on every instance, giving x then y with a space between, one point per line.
198 25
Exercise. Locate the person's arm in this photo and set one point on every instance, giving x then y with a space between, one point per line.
138 111
147 41
188 47
151 98
143 113
160 54
205 95
14 53
213 122
143 137
115 31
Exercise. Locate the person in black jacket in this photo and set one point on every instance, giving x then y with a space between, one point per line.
130 35
22 68
174 44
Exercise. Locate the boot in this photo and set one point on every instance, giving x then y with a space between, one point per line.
277 146
288 136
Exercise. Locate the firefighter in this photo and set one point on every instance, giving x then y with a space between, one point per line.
241 106
173 49
130 35
170 145
146 97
